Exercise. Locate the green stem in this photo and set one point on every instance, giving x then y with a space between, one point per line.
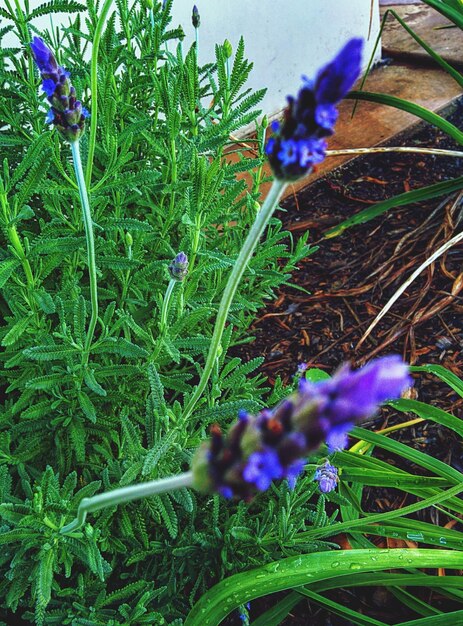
16 242
94 88
165 305
87 215
245 254
124 495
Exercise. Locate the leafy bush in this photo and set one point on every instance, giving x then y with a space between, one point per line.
162 181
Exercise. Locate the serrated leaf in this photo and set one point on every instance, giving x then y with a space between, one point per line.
45 382
92 383
16 331
87 406
6 268
45 301
49 353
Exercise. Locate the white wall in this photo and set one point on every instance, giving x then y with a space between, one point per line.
283 39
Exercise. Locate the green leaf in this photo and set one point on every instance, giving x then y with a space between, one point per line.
415 109
417 195
444 374
49 353
6 269
45 301
87 406
92 383
296 571
16 331
455 617
426 411
45 382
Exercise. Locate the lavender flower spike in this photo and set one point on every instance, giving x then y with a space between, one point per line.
178 268
299 141
66 112
273 444
327 477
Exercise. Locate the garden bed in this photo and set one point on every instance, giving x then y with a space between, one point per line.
349 279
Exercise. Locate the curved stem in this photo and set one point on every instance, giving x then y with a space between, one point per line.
245 254
87 215
94 88
453 153
124 495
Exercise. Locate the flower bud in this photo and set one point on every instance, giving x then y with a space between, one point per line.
227 48
195 17
178 268
327 477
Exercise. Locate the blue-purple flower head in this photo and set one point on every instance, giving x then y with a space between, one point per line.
178 267
66 112
299 141
275 443
327 477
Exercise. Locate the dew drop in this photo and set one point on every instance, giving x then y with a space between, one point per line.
335 564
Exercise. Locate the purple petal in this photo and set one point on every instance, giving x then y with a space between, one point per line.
336 79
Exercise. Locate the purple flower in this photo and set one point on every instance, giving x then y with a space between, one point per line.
337 438
298 143
44 57
262 468
355 395
273 444
327 477
66 112
178 268
293 471
336 79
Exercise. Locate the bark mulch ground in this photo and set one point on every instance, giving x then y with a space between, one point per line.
349 279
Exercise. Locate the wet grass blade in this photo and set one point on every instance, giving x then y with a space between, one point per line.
428 412
444 374
296 571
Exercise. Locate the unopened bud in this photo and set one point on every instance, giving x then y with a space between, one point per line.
227 47
178 268
128 239
195 17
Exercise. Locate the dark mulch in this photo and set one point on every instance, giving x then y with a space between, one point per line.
350 278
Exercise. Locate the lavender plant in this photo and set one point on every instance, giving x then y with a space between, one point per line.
108 413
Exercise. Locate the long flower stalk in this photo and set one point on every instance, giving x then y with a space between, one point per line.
124 495
241 263
91 258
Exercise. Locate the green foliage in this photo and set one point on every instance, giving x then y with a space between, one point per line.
166 176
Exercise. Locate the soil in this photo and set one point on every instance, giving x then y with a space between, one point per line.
350 278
